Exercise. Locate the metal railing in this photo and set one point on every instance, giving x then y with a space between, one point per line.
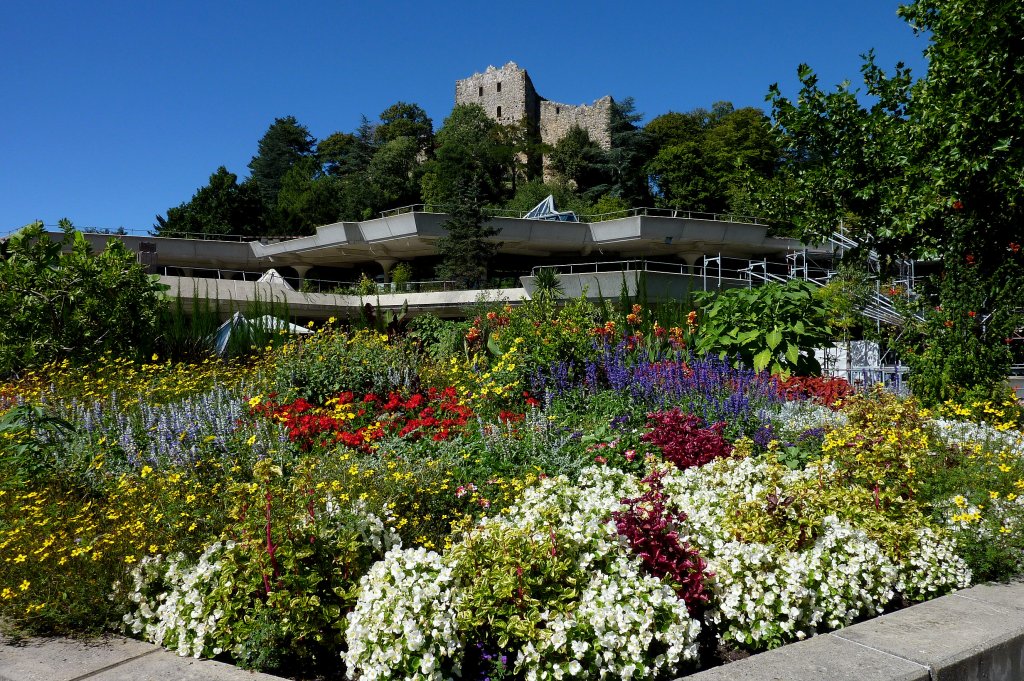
593 217
327 286
615 266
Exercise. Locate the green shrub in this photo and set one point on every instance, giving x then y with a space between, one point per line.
57 305
773 326
331 362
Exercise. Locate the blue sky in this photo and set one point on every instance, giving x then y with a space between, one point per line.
115 111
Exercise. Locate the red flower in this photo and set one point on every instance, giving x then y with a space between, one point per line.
1014 247
958 205
972 314
970 260
948 323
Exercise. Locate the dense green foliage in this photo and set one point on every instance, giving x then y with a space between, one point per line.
469 245
773 326
60 300
926 169
704 158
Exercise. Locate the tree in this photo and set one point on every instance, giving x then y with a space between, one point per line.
468 158
395 173
284 144
402 119
343 153
704 159
469 246
223 206
931 169
74 304
631 148
307 199
578 161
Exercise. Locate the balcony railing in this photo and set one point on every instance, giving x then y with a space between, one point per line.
595 217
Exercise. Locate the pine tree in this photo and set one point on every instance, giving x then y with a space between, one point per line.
468 248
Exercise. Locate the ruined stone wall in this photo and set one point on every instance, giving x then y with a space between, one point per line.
556 119
506 94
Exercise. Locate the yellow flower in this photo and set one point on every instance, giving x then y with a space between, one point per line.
21 558
25 585
155 357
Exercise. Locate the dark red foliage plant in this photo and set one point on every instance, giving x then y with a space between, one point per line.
683 439
652 532
825 391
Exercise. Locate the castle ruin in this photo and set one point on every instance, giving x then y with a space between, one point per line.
508 96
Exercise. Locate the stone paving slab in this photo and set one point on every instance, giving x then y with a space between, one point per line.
62 659
110 658
1001 595
166 666
957 637
822 658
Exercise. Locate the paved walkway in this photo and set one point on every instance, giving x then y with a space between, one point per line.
111 658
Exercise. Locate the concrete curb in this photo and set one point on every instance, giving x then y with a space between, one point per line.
972 635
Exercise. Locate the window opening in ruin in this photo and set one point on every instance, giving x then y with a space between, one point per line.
499 87
558 110
481 90
499 112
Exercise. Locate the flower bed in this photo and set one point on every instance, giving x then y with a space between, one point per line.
489 509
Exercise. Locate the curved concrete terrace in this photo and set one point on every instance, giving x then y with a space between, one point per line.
414 234
232 295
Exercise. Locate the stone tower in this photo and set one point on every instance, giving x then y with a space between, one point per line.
508 96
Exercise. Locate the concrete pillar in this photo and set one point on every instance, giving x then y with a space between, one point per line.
691 258
386 264
301 270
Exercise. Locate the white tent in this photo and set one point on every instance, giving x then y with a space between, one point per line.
545 210
266 323
274 277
